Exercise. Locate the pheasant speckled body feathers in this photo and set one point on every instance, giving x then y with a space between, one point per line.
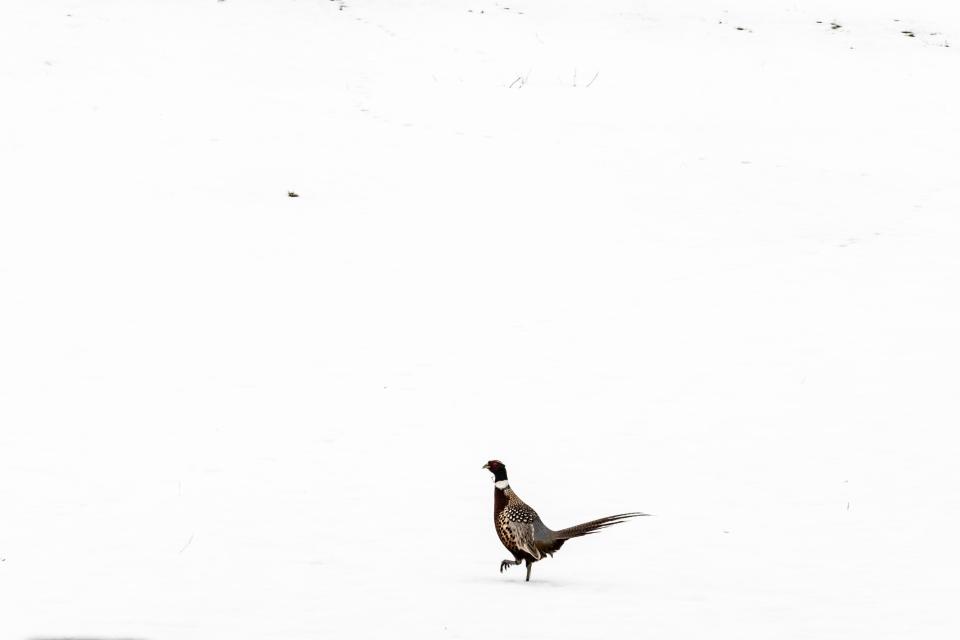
523 533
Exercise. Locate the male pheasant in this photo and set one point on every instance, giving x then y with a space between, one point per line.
522 531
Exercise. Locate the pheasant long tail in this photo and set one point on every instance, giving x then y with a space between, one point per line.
594 525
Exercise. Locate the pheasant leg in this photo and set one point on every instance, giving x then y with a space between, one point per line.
507 563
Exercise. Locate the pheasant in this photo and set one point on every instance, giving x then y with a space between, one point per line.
522 531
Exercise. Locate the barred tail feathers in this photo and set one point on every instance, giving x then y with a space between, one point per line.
594 525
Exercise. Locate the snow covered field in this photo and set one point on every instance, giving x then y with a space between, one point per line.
694 258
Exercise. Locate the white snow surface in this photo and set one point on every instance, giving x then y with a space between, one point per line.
649 260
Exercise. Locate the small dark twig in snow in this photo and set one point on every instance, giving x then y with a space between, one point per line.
184 547
592 79
521 79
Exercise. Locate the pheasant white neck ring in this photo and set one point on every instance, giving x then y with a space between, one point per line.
501 484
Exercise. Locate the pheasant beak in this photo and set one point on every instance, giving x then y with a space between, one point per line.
486 466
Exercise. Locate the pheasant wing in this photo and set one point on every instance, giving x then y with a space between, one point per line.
523 535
